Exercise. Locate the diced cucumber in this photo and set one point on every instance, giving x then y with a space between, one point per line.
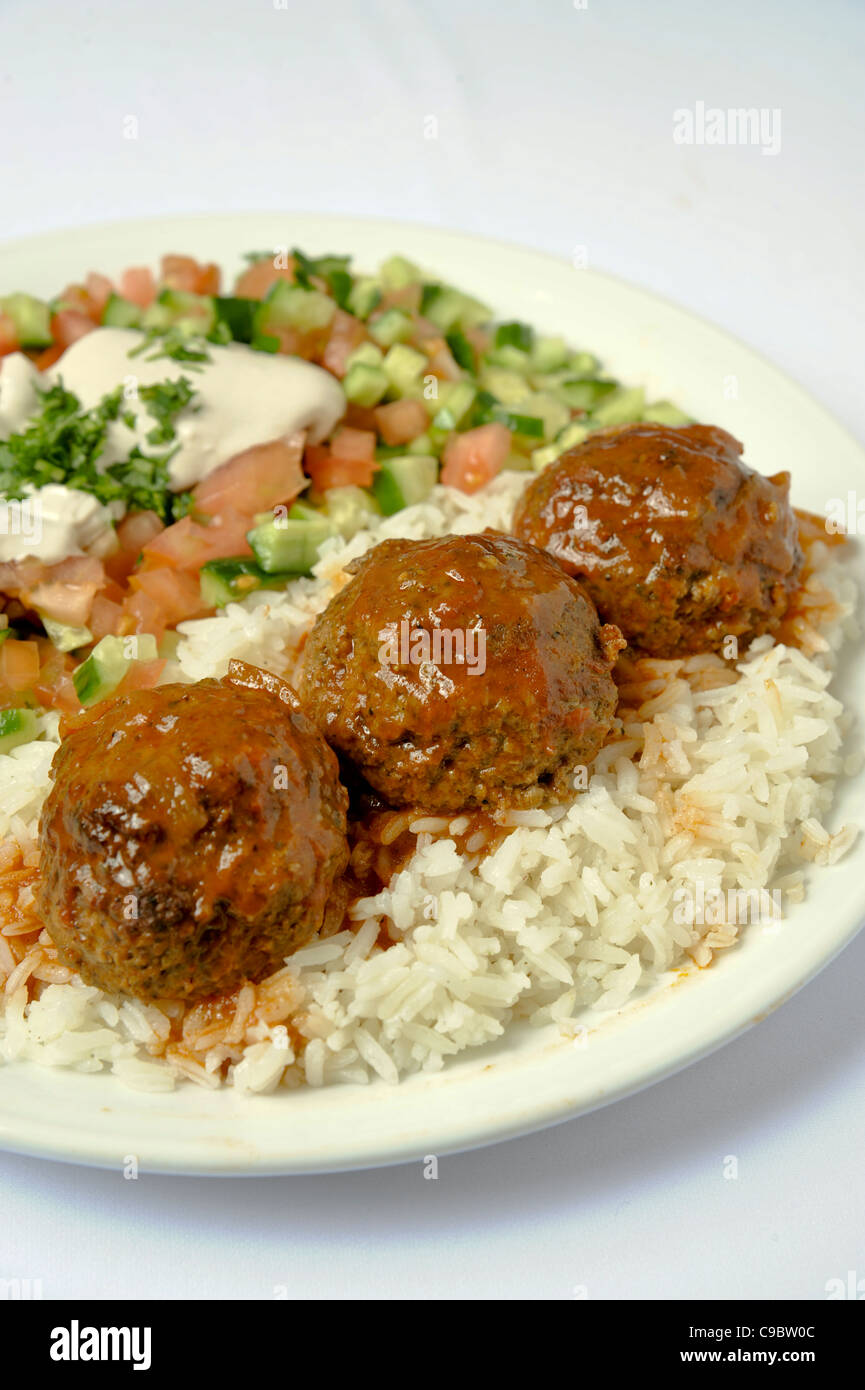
404 481
121 313
107 664
585 394
289 545
404 367
514 334
31 317
298 511
292 306
350 509
456 399
367 353
622 407
549 355
226 581
511 358
238 315
554 415
394 326
192 314
422 445
17 726
572 435
665 413
63 636
396 273
363 297
450 309
584 363
508 387
461 350
364 384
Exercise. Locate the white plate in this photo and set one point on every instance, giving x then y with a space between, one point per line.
530 1078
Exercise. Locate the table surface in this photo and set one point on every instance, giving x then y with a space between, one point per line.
550 123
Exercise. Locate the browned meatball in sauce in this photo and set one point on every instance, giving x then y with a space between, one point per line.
673 536
446 735
192 837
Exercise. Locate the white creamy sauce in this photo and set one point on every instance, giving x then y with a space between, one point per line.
53 522
243 397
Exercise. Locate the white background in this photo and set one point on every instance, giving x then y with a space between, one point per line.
554 128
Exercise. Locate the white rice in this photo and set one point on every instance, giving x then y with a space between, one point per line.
720 788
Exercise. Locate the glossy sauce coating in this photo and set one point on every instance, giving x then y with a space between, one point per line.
192 837
673 536
440 735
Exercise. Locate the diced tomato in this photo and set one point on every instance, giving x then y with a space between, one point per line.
255 480
443 364
19 664
105 615
346 334
133 533
141 613
257 280
138 285
327 471
8 335
348 443
45 359
408 297
54 688
142 675
99 290
187 545
473 458
68 325
186 274
177 593
360 417
401 421
65 603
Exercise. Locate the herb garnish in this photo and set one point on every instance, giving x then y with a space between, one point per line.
63 444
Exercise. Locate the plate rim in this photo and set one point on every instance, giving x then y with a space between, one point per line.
36 1140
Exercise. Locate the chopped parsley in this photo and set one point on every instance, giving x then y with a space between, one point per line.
64 442
333 270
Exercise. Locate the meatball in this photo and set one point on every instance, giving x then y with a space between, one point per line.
460 672
673 536
192 837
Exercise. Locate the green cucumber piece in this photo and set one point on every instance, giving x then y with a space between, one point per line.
292 306
64 636
31 317
461 350
622 407
549 355
107 664
228 581
665 413
455 401
238 315
350 509
508 387
394 326
364 384
404 481
515 334
368 353
17 726
585 393
121 313
404 367
192 314
363 297
396 273
289 545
